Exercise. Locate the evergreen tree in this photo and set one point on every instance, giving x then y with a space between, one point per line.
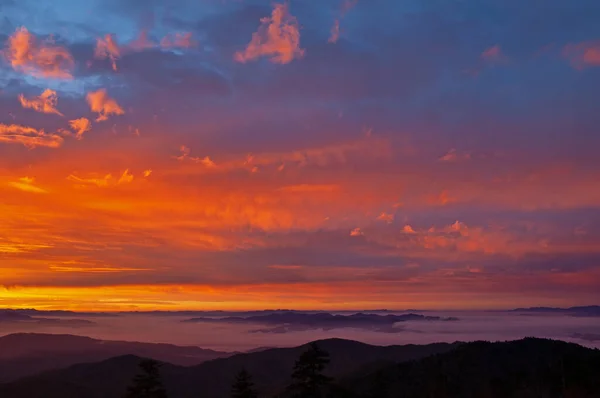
147 384
308 378
243 387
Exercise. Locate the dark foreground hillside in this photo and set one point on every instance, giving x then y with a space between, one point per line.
521 369
529 368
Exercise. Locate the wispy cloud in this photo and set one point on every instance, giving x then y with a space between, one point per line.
28 136
29 55
454 156
44 103
125 178
178 40
335 32
581 55
94 180
107 47
494 54
102 104
334 35
27 184
278 38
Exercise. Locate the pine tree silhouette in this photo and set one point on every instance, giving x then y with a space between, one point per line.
308 378
147 384
243 387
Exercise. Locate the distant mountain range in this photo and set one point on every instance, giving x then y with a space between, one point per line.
584 311
14 316
524 368
294 321
25 354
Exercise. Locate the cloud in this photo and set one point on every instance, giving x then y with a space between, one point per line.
107 47
493 55
97 181
44 103
356 232
28 136
388 218
80 126
408 229
147 173
27 184
454 156
335 32
102 104
278 37
347 5
142 42
178 40
28 55
586 54
125 178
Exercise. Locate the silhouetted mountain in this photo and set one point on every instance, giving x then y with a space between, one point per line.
528 368
24 354
270 370
590 310
294 321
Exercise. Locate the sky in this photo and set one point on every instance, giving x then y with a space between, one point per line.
331 154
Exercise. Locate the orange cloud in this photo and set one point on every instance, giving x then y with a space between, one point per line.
99 182
147 173
44 103
26 184
278 37
178 40
125 178
80 126
408 229
102 104
356 232
107 47
41 59
388 218
583 54
28 136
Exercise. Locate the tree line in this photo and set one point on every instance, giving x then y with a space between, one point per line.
307 378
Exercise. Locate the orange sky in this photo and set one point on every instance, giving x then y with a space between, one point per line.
297 163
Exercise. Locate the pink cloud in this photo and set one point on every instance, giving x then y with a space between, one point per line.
494 54
586 54
107 47
28 55
335 32
278 37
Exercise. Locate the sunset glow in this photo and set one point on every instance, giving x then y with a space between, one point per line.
302 154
